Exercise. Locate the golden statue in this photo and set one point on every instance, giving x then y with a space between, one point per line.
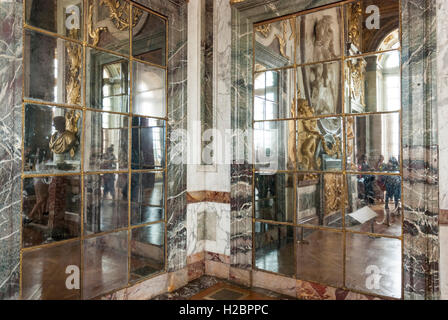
65 139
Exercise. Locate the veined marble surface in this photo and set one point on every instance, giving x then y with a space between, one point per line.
442 97
10 146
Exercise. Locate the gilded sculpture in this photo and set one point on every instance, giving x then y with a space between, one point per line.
334 191
65 139
73 84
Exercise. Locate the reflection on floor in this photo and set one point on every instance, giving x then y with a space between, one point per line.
373 265
211 288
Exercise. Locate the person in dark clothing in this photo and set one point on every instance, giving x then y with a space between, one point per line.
393 184
368 181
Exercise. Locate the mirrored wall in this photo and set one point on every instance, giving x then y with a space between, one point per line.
327 147
94 147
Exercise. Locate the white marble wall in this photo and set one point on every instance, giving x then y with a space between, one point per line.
442 96
214 177
208 228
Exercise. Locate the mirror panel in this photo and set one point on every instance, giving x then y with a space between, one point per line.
52 139
51 209
149 37
107 81
319 90
374 265
371 26
148 143
106 142
105 264
374 204
373 83
108 25
374 143
274 95
319 200
275 145
274 44
53 69
62 17
274 197
43 272
147 197
147 251
149 91
320 256
319 36
320 144
274 251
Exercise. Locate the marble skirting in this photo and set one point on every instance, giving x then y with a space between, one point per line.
444 217
208 196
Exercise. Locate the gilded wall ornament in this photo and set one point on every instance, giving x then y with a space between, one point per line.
354 24
73 84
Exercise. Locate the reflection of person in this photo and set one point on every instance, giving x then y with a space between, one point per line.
393 184
368 180
41 191
63 140
109 179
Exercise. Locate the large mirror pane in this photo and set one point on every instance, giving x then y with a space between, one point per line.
274 197
149 91
147 197
52 139
374 265
274 44
275 145
108 24
51 208
147 251
320 144
107 81
374 204
373 83
372 25
105 264
319 36
105 202
148 143
319 200
274 95
106 142
53 69
374 143
149 37
320 256
64 17
319 90
44 274
274 248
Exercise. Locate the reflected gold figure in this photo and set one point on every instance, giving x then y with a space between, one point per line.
64 140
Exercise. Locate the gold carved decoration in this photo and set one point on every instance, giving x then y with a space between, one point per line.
334 191
94 34
264 30
282 40
309 137
118 14
73 84
354 24
356 74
